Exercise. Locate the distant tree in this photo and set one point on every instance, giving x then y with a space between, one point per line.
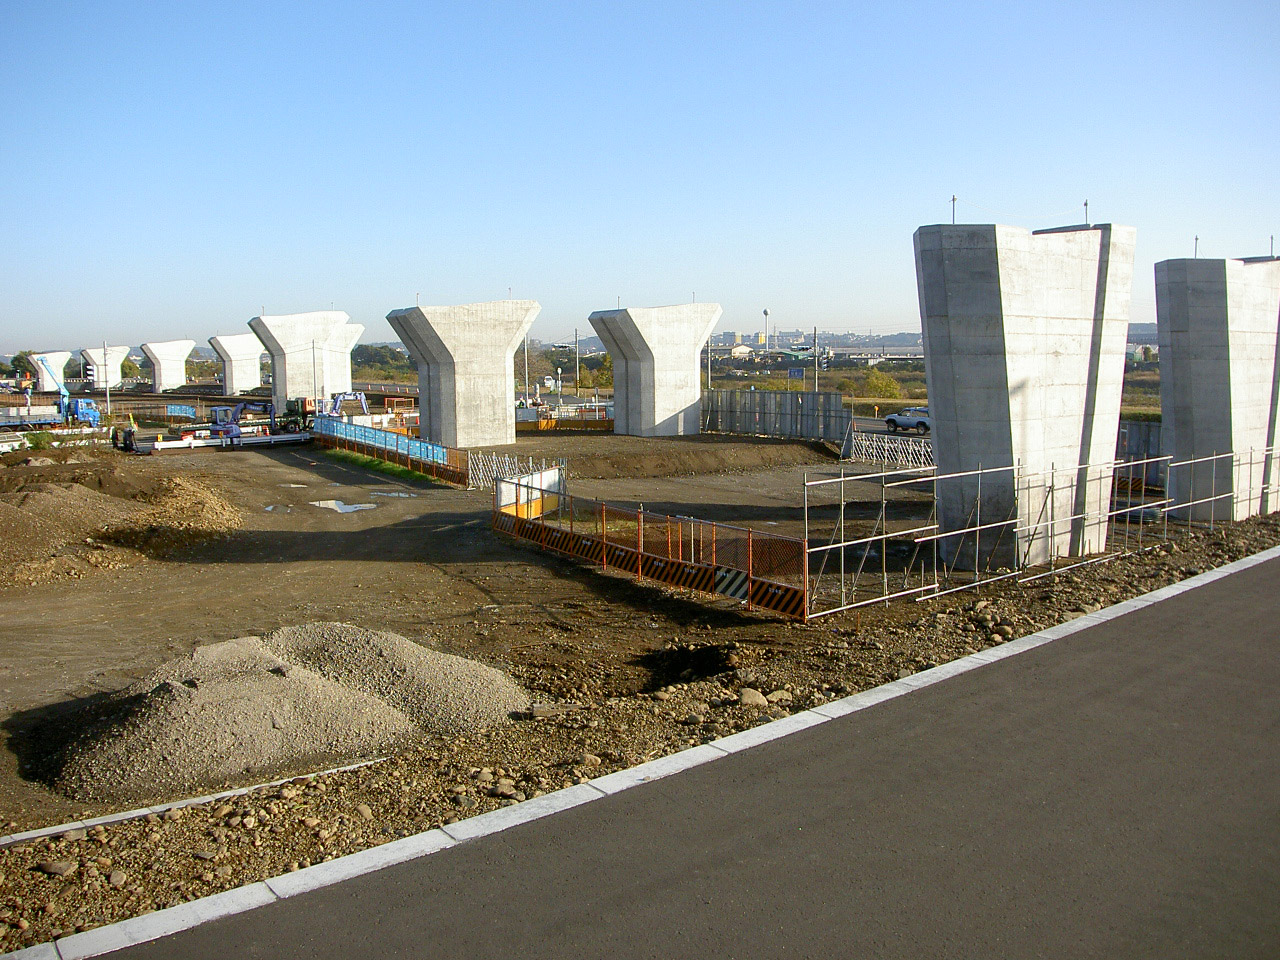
604 373
1148 354
22 365
204 369
879 384
382 363
129 369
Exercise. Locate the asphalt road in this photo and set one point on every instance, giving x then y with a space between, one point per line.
1112 794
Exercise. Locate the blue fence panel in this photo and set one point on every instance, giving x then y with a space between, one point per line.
382 439
180 410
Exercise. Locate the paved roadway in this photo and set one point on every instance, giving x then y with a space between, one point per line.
1113 794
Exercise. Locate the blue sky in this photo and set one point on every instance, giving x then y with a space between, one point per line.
168 170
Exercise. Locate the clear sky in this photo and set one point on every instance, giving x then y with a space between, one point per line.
169 170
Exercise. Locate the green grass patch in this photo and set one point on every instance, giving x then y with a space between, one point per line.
374 465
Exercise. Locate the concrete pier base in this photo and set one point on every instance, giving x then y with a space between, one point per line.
310 353
241 356
169 363
105 371
466 368
1220 383
50 380
657 384
1024 339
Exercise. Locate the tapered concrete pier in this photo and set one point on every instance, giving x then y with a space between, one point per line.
241 356
466 368
1220 383
1024 339
168 363
49 375
105 371
657 385
310 353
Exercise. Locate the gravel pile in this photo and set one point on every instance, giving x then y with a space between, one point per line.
244 709
439 692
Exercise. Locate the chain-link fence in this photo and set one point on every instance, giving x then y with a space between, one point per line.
915 533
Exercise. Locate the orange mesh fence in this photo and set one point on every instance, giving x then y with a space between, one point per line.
764 570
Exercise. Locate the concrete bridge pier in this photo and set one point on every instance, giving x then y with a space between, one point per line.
105 369
466 368
169 363
657 384
241 356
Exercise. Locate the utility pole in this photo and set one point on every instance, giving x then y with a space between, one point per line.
526 369
106 377
953 209
815 359
577 367
1197 247
766 330
1086 213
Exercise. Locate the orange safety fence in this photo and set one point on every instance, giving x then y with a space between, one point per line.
764 570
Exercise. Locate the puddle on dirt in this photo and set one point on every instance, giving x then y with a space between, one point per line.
341 507
282 507
294 485
390 493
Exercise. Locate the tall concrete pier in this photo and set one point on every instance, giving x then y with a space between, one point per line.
657 386
1220 382
241 356
105 370
49 375
168 363
1024 340
466 368
310 353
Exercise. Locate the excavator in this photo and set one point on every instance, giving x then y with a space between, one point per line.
226 420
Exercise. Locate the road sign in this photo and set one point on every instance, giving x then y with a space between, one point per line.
795 373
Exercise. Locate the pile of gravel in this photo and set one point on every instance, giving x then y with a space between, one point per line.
246 709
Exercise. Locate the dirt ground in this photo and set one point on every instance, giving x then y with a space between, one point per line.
423 563
624 671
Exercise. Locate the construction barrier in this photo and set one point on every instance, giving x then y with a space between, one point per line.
763 570
432 459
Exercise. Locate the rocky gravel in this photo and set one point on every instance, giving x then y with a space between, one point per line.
708 683
304 696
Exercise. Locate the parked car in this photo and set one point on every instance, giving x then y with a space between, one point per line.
912 418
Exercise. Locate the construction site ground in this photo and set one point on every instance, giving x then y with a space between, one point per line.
627 671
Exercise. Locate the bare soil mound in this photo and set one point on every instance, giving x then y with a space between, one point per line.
249 708
58 518
181 512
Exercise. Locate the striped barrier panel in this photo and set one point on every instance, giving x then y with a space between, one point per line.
685 553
